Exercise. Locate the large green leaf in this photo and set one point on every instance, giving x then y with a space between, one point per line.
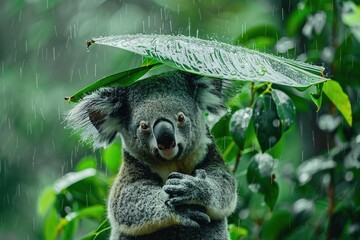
334 92
72 178
266 121
237 232
216 59
260 178
50 224
285 109
96 212
124 78
239 124
46 201
310 167
317 97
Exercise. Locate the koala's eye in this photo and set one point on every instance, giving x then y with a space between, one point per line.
143 126
181 118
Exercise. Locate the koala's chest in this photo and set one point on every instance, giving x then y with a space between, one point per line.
164 170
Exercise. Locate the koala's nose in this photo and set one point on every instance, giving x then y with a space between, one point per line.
164 134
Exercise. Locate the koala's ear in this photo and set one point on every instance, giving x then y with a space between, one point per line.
210 93
98 115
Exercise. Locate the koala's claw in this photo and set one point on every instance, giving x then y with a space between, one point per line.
177 175
174 190
175 201
186 189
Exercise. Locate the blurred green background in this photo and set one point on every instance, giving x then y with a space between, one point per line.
44 58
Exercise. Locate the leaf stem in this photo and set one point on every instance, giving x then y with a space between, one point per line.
252 94
237 160
268 89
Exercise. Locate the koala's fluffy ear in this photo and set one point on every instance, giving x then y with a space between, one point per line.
97 116
211 93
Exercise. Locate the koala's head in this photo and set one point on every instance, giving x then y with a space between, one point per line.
159 119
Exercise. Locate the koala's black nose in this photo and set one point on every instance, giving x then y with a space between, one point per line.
164 134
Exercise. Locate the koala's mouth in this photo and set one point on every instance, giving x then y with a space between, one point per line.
169 154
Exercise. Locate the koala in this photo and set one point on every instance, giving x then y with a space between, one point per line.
173 182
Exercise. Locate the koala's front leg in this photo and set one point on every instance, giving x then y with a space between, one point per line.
139 208
187 189
215 190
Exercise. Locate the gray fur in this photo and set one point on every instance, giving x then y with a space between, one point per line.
186 197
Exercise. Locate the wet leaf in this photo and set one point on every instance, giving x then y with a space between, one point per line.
101 233
260 178
228 148
317 97
216 59
285 109
95 212
70 229
46 201
50 223
310 167
271 193
239 123
81 189
72 178
237 232
328 123
267 122
334 92
85 163
221 127
124 78
149 61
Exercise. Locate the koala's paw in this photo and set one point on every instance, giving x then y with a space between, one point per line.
187 189
192 216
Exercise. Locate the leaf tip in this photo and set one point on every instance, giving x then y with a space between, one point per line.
323 73
69 99
89 43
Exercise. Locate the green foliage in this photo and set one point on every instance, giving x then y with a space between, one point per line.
124 78
216 59
79 195
261 179
101 233
298 177
335 93
239 125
